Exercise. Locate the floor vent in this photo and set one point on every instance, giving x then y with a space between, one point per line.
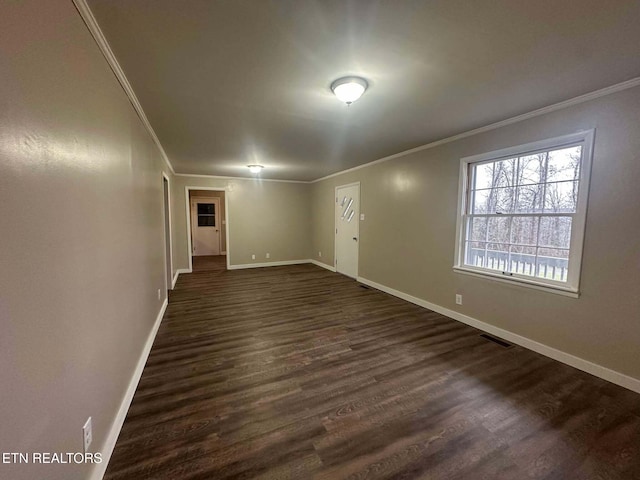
493 339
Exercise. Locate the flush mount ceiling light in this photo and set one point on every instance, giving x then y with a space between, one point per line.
255 168
349 89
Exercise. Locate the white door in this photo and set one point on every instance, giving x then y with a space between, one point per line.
205 226
347 229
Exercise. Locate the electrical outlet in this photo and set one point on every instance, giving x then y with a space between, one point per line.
320 254
268 255
458 299
362 216
253 257
159 295
87 435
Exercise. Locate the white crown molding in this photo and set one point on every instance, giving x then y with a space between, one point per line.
634 82
91 23
220 177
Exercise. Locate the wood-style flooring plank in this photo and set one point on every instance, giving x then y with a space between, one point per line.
299 373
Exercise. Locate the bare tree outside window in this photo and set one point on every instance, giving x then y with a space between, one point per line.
520 213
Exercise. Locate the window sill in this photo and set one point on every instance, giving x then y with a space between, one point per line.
565 291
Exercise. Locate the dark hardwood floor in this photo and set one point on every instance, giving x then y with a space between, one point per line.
298 373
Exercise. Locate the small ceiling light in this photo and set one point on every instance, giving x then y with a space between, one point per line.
255 168
349 89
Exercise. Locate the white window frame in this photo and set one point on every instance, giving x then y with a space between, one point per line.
571 286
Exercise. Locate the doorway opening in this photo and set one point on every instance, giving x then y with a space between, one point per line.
207 232
347 226
168 247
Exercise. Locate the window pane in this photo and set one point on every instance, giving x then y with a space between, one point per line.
477 229
561 197
524 231
206 208
503 200
522 260
555 232
346 209
531 169
474 253
553 264
529 199
497 257
497 200
504 173
483 176
480 201
206 221
498 229
564 164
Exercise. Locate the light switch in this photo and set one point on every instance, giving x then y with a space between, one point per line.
362 216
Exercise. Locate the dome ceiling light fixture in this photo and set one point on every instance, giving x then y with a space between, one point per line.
255 168
349 89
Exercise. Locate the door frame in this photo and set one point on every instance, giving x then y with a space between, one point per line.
226 190
335 224
167 215
218 215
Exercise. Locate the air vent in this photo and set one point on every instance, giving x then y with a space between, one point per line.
493 339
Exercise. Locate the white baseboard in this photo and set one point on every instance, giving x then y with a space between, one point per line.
268 264
99 469
577 362
175 279
224 252
323 265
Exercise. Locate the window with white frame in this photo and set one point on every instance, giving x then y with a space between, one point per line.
523 212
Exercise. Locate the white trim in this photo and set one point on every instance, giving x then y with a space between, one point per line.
323 265
187 189
223 252
168 213
581 364
91 23
496 277
585 138
175 279
268 264
634 82
99 469
257 179
335 226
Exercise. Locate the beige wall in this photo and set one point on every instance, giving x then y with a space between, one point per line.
223 217
82 237
407 240
264 217
81 231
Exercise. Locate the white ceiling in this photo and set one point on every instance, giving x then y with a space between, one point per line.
225 83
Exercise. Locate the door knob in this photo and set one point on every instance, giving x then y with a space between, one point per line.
355 238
